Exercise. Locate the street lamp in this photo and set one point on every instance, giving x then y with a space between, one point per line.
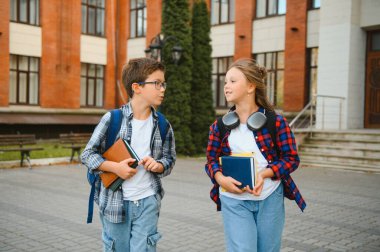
156 47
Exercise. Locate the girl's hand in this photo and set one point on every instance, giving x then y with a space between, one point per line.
228 183
266 173
124 171
151 165
259 185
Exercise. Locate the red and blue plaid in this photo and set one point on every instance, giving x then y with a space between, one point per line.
282 164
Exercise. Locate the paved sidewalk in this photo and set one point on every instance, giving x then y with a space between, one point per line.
44 209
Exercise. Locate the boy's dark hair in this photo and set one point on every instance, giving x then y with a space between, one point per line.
137 70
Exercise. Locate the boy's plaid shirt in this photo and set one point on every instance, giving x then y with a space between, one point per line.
111 203
282 167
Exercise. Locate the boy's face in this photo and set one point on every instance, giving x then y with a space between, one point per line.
152 93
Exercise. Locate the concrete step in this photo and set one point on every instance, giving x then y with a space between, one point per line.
319 157
360 168
361 135
334 141
342 150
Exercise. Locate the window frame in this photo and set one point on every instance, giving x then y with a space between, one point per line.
310 69
136 10
28 21
272 98
312 5
220 74
85 103
230 15
96 7
267 15
28 73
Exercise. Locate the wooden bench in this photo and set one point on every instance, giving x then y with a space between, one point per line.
17 142
75 142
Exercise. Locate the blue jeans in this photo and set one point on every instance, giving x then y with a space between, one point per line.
254 225
138 232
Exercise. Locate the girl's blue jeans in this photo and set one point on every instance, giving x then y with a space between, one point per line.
254 225
138 232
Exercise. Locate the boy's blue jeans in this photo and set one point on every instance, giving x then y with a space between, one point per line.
138 232
254 225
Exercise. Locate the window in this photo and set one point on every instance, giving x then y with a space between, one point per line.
222 11
275 65
312 58
25 11
314 4
268 8
138 18
93 17
219 70
91 85
24 80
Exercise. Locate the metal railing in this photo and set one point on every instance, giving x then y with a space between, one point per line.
306 118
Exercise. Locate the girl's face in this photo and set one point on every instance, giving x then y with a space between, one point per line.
236 87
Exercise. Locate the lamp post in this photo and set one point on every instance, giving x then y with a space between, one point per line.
155 49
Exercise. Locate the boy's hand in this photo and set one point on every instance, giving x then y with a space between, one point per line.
151 165
124 171
228 183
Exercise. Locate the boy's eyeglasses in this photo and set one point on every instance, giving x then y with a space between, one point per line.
158 85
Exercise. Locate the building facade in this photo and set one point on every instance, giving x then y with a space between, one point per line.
61 60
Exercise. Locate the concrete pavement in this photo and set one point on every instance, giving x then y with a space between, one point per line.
44 209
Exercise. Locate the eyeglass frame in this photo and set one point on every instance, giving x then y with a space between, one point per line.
158 85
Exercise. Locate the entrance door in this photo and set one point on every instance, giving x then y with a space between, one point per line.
372 96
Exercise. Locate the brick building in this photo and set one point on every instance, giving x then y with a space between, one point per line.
61 60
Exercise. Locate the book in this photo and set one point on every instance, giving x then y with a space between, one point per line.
118 152
241 168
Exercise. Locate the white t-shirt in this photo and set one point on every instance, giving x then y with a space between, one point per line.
242 140
140 185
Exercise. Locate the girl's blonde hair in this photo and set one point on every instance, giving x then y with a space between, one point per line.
255 74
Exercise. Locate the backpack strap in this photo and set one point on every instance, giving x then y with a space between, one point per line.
163 126
113 129
222 128
271 126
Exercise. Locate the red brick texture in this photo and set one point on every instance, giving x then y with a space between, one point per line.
295 55
243 28
123 31
60 62
4 53
154 10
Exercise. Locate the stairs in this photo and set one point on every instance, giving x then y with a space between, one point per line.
357 150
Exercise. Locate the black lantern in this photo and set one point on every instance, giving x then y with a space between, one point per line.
156 47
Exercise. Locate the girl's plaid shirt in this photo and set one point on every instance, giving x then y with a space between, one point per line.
282 165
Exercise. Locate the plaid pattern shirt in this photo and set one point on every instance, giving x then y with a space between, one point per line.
111 203
282 165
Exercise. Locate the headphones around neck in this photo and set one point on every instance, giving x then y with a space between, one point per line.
254 122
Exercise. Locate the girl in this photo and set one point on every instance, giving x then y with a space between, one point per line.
253 217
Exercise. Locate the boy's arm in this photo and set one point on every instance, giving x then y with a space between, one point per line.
91 155
168 153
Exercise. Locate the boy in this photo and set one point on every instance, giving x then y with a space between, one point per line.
130 214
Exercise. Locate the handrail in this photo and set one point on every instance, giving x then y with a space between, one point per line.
300 113
313 102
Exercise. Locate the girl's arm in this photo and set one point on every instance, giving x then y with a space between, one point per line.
288 160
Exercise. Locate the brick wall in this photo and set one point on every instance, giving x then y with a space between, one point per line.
295 55
243 28
4 53
60 62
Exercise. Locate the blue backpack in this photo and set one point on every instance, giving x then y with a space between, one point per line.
113 129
